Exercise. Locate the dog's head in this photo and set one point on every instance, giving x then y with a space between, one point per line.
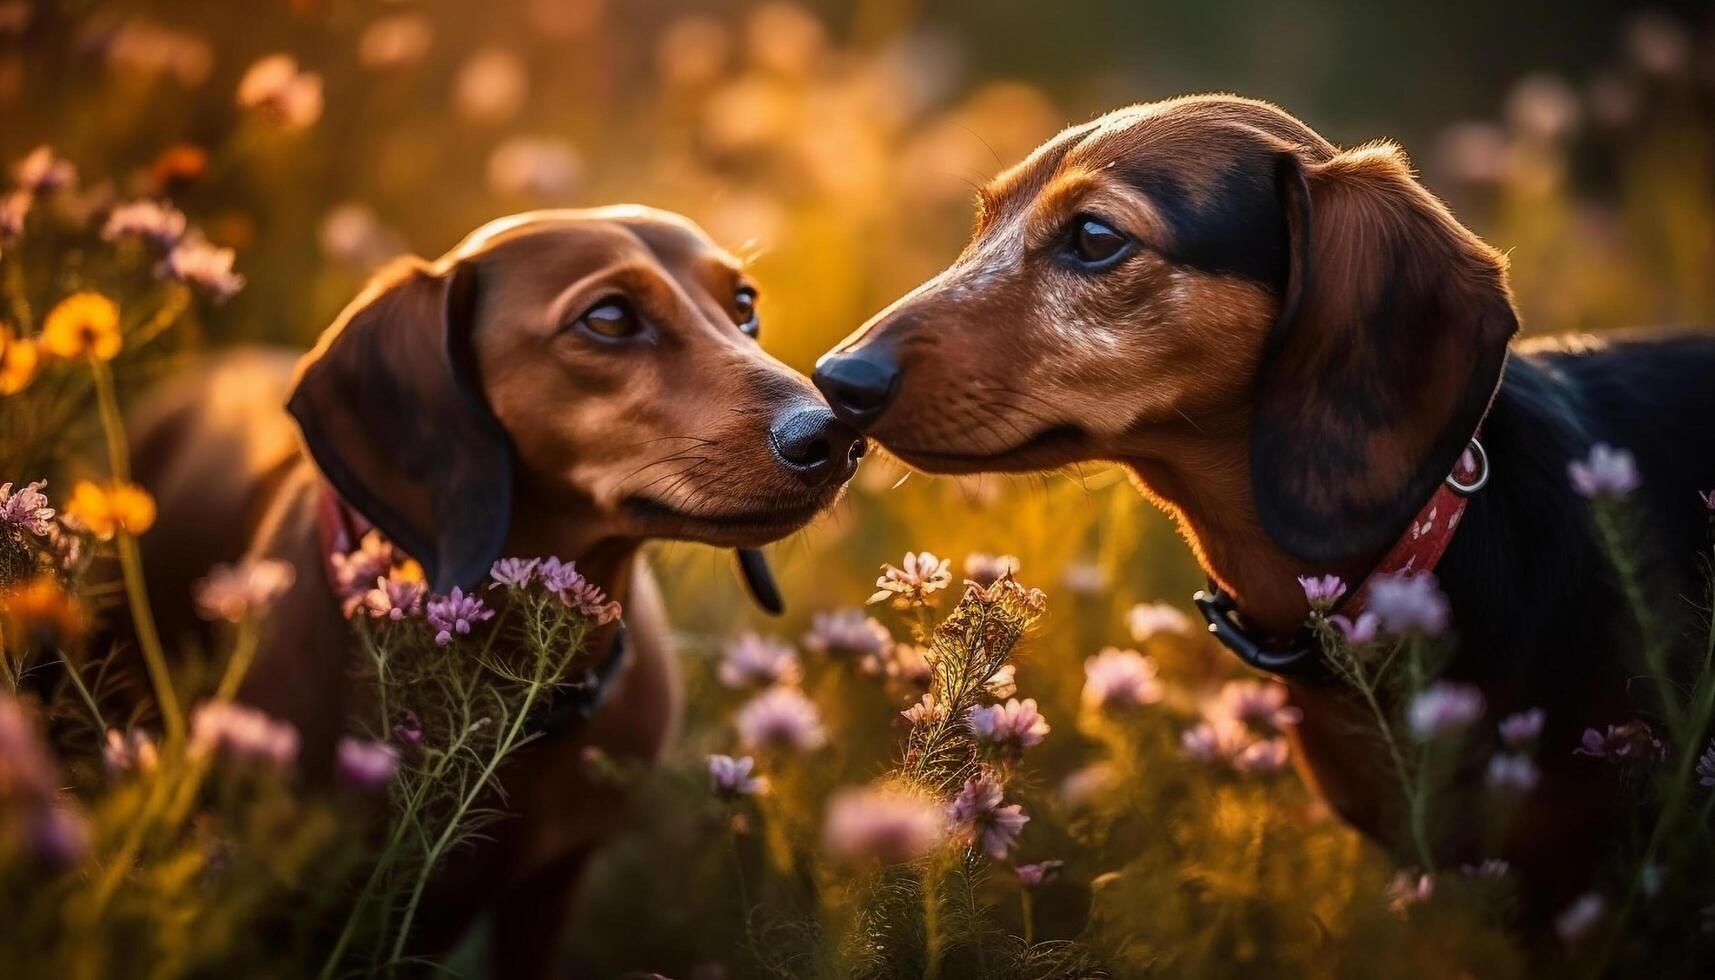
1195 269
602 365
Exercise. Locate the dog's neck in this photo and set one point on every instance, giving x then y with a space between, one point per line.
1201 477
604 560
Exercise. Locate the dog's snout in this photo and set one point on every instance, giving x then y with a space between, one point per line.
816 446
858 385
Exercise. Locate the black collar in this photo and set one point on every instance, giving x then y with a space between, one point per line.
1298 658
573 705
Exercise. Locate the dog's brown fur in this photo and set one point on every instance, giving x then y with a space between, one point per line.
1229 397
601 446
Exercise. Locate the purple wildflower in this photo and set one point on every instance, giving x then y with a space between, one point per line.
1011 727
1606 473
396 596
366 764
1322 591
1033 876
1579 918
980 819
1520 730
243 733
882 823
194 261
1629 743
513 573
1148 619
1120 679
986 570
1083 786
753 660
730 778
453 613
43 171
1442 709
555 574
356 569
408 730
1408 889
575 592
850 634
1513 773
1706 766
26 509
781 718
1409 603
1360 631
245 590
157 223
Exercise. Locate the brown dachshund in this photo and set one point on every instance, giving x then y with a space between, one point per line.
1292 346
566 383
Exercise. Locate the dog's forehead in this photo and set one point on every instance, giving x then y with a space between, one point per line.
598 234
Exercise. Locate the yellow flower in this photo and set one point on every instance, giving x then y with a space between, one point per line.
105 510
40 611
83 324
17 361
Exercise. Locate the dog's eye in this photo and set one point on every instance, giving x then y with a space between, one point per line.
611 318
1096 244
749 321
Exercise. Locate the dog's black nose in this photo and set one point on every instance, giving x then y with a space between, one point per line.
816 446
858 385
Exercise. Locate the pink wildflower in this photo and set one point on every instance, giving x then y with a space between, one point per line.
1521 729
753 660
396 596
133 752
155 222
1359 631
881 823
1580 918
926 711
1148 619
194 261
1033 876
1442 709
1260 703
1218 739
243 591
730 778
1408 889
1322 591
781 718
918 577
1011 727
1512 773
1120 679
42 171
275 87
243 733
1409 603
1003 683
980 820
26 509
1629 743
847 633
1263 755
366 764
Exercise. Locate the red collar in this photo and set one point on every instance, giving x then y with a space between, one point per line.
1426 538
1419 549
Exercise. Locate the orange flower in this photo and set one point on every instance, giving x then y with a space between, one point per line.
17 361
41 611
104 510
85 323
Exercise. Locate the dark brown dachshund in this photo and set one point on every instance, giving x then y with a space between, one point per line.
566 383
1291 346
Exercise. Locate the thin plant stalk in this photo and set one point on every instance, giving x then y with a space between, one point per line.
131 562
83 692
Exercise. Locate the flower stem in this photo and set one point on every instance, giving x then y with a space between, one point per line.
931 923
83 692
1631 584
131 561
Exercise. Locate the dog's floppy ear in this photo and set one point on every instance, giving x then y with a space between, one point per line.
393 414
1390 342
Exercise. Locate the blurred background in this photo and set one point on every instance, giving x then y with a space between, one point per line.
840 144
